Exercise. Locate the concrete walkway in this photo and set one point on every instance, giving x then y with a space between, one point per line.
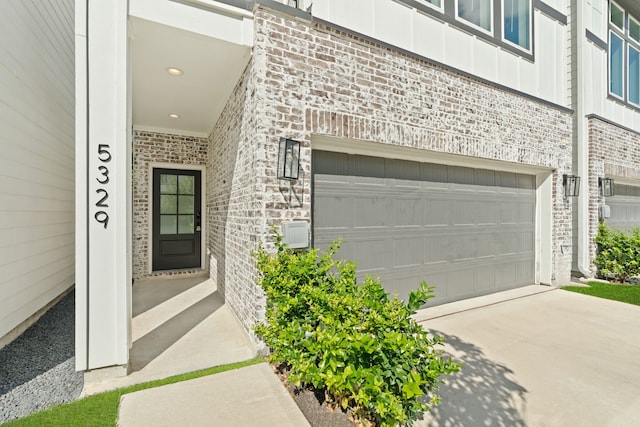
534 356
251 396
555 358
179 325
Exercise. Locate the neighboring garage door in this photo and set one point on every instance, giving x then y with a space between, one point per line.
466 231
625 207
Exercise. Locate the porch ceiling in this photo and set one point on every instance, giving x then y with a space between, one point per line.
211 67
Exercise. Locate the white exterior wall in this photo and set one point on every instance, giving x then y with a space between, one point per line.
591 97
405 27
103 140
595 65
37 161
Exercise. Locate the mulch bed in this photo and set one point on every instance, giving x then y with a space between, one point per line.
312 402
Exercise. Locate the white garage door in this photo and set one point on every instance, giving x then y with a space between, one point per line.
466 231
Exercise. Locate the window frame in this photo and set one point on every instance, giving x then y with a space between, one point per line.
623 68
637 22
611 23
433 6
629 47
490 32
509 42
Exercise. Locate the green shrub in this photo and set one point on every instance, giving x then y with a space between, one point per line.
618 253
352 340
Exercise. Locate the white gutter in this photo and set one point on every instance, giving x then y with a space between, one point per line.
582 149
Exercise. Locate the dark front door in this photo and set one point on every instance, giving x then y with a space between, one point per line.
176 219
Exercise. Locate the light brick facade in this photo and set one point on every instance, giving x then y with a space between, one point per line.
613 151
308 79
148 148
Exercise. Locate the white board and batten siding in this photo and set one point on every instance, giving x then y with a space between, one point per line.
405 27
37 160
596 63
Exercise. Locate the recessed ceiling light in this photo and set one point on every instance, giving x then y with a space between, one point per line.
174 116
175 71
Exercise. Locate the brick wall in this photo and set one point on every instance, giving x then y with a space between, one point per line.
152 147
613 151
235 200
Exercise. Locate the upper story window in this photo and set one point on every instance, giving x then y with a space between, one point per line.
634 29
516 18
435 3
624 55
616 16
477 12
634 75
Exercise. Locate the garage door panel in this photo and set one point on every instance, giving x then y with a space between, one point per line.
466 231
436 249
526 241
485 178
373 255
464 246
408 252
433 176
526 212
334 211
486 246
524 270
484 277
487 213
461 283
505 274
367 169
405 172
465 212
336 179
508 212
408 212
507 180
625 207
436 212
459 176
373 211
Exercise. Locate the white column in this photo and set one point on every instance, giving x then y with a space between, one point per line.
103 176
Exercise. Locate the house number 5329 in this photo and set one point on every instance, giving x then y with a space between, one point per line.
104 156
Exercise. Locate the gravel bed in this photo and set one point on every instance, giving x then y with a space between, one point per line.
37 370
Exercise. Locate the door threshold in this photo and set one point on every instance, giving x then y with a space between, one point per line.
181 272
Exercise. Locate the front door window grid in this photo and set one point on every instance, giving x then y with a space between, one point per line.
177 214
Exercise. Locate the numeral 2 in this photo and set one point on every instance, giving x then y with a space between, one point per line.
101 203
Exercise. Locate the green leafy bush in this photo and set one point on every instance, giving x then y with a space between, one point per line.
352 340
618 253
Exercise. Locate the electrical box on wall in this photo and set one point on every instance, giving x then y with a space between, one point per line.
295 234
604 211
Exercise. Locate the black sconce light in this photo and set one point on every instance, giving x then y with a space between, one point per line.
606 186
571 185
289 159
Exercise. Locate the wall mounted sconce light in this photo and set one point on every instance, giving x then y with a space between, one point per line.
289 159
571 185
606 186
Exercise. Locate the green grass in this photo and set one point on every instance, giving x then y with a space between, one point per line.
102 409
616 292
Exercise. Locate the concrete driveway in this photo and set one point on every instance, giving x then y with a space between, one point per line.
555 358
